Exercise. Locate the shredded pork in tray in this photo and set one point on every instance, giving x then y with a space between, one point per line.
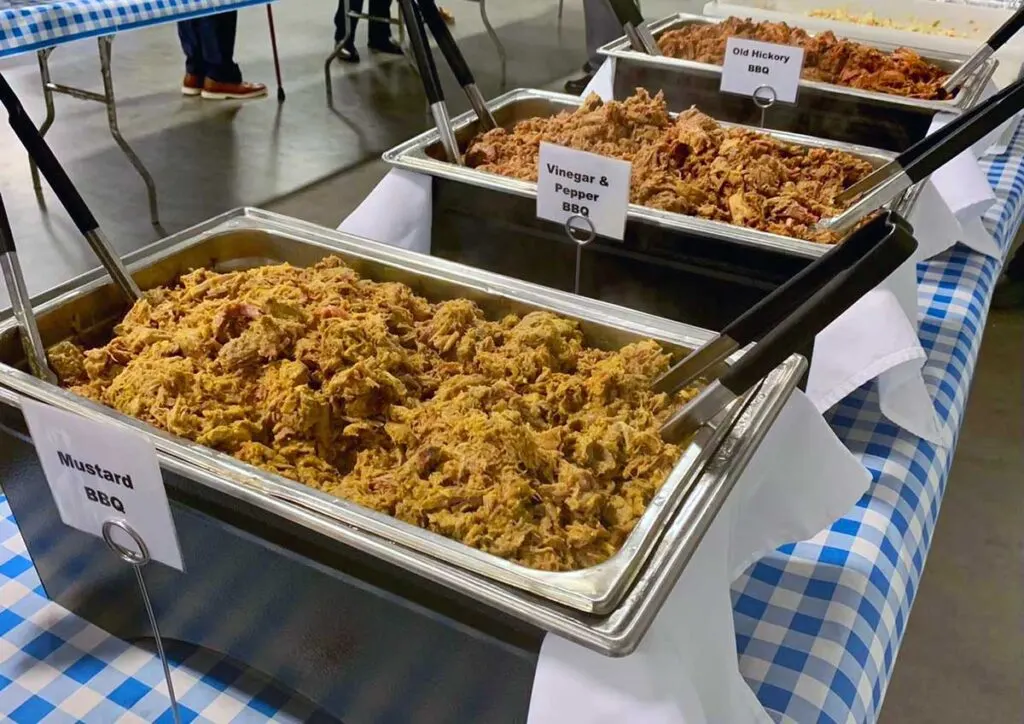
690 165
511 435
827 59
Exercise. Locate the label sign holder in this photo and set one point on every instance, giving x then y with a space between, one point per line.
581 237
767 72
573 183
137 559
764 97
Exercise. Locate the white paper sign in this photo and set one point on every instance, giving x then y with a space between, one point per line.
101 472
751 65
577 183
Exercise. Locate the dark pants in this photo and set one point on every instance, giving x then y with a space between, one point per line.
602 27
378 34
209 45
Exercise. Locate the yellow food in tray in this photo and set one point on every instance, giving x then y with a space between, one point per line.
933 27
510 435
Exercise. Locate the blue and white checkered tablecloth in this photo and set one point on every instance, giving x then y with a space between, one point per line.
27 25
56 668
818 624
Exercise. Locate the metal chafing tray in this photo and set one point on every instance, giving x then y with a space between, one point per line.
626 590
880 120
425 155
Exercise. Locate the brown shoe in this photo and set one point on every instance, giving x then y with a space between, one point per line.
215 91
192 85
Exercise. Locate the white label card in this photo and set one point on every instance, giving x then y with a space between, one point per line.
577 183
99 472
751 64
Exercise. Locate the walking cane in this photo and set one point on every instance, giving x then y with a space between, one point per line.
277 58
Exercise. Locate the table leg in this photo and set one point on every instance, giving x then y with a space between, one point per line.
502 57
110 102
44 75
347 40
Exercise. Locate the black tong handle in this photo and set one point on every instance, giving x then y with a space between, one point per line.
627 12
47 163
6 235
936 149
439 29
753 324
421 51
1007 30
888 243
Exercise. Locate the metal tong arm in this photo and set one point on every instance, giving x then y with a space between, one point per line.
66 192
890 243
756 322
935 150
431 82
21 304
997 40
633 24
456 61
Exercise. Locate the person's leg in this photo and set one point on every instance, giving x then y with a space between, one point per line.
379 33
195 69
345 25
217 34
223 76
602 28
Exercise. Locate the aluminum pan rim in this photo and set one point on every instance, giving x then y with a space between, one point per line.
597 588
964 100
615 634
411 155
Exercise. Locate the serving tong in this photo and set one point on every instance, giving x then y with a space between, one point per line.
632 22
420 15
977 59
786 320
926 156
79 212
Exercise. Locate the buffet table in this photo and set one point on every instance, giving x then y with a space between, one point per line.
818 623
27 25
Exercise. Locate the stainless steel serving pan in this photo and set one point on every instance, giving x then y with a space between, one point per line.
964 99
628 588
425 154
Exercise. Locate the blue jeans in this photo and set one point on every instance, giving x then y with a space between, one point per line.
209 46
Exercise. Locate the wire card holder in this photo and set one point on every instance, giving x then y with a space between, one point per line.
581 235
764 97
137 559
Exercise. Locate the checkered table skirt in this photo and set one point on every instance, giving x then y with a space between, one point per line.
27 25
819 623
56 668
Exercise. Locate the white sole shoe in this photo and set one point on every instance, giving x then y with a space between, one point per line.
215 96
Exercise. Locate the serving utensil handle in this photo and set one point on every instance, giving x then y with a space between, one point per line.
1007 30
889 245
934 151
44 159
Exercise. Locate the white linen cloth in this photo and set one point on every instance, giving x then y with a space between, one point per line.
685 670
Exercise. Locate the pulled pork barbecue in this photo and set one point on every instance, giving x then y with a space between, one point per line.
827 59
511 436
690 165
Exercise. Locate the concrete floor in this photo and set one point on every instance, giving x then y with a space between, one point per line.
963 656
